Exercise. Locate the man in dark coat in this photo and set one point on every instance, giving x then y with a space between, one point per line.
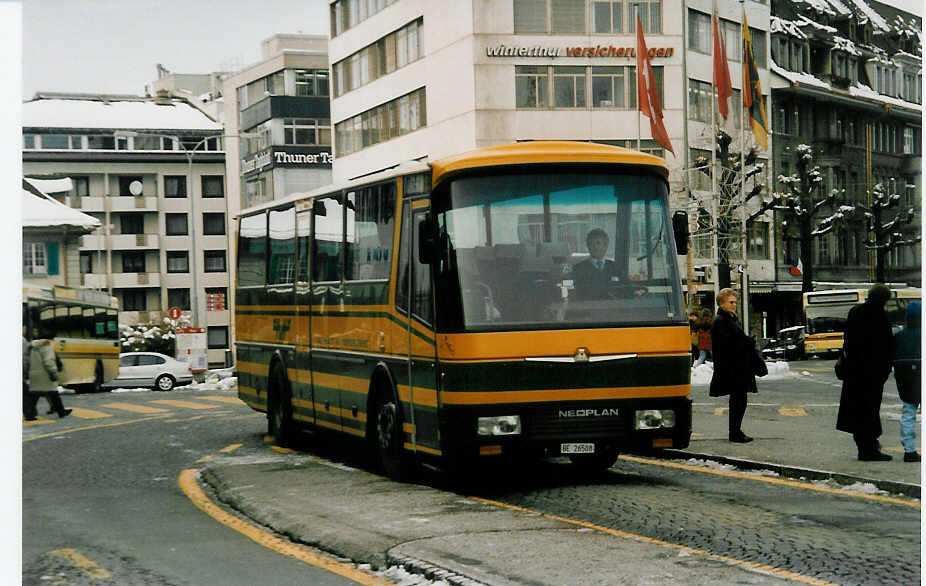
596 274
867 343
733 354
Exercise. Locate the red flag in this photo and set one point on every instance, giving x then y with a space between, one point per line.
722 82
647 94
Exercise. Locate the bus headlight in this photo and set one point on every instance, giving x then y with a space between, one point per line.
500 425
655 419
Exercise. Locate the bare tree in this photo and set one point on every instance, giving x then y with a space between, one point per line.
886 229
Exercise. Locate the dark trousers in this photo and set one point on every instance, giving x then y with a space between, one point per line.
866 442
737 412
30 402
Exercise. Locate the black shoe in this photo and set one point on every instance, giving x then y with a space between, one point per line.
875 457
64 413
49 412
911 457
33 418
740 438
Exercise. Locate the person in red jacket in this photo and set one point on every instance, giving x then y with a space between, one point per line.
704 337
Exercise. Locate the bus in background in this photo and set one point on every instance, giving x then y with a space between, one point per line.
86 326
825 314
442 312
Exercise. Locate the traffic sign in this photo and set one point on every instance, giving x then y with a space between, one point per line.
174 313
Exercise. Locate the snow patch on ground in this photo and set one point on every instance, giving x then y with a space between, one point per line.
777 370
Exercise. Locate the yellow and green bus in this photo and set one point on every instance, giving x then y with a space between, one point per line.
825 314
444 311
86 327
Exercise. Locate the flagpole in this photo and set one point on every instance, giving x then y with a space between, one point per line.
745 240
686 157
714 204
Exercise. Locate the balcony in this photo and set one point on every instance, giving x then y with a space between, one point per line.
92 204
218 318
134 241
125 280
93 242
133 204
94 280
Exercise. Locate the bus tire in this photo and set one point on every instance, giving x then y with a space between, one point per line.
594 463
389 453
280 423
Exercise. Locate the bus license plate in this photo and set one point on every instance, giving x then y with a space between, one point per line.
577 448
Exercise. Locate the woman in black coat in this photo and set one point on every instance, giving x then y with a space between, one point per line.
733 354
868 348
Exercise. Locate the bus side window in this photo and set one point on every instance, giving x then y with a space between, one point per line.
401 292
327 239
252 251
282 246
422 307
303 234
88 323
369 233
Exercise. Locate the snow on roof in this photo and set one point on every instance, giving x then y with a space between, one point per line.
43 211
793 76
818 5
780 25
841 8
863 91
804 21
873 16
844 44
138 114
52 185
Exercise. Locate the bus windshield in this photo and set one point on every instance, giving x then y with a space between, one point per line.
577 247
823 319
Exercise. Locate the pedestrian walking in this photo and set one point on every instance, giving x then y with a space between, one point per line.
733 354
704 337
29 411
694 329
867 343
43 376
907 356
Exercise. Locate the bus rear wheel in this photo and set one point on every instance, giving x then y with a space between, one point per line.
280 411
387 438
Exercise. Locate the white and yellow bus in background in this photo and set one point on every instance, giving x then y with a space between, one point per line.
86 327
825 314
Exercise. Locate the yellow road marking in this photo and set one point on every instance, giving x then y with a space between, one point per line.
185 404
774 480
233 400
39 421
82 563
135 408
642 538
133 421
792 411
281 450
204 459
190 487
720 410
82 413
231 448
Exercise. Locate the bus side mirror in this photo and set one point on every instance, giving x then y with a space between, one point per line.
680 228
427 240
318 208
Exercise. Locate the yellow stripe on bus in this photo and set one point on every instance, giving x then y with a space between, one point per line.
554 395
426 397
252 367
420 448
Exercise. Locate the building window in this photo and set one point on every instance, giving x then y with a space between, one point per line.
377 59
608 16
178 261
132 223
81 186
700 33
569 87
29 141
151 143
134 300
392 119
130 185
698 179
176 224
175 186
757 241
530 16
34 258
133 262
178 298
650 12
311 82
213 185
306 131
348 13
531 86
567 16
909 140
732 39
213 224
217 337
608 87
86 262
101 142
56 141
214 261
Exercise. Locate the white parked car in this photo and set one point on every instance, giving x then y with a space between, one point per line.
150 369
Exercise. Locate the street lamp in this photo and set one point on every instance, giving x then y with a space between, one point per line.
189 157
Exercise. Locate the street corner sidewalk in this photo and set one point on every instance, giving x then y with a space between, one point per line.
445 536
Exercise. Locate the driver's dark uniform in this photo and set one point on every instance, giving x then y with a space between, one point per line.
592 282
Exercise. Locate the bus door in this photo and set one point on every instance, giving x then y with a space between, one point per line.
418 390
303 395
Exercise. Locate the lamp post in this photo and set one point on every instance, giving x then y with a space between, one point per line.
189 153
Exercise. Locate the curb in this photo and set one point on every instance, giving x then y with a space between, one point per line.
891 486
429 570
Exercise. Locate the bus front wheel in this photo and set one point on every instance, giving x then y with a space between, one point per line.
279 413
387 437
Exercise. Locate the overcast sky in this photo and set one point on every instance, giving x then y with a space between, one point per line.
113 46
